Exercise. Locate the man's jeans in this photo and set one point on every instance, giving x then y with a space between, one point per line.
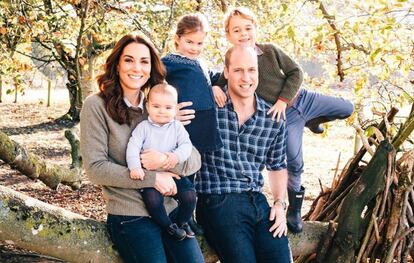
139 239
309 105
237 227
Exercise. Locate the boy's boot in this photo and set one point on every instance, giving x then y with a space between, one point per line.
315 125
294 218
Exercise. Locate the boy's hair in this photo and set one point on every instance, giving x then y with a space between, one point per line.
191 23
163 88
244 12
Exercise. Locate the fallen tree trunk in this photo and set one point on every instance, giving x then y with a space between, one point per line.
33 167
53 231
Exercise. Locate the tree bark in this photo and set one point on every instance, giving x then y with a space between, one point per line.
53 231
73 138
33 167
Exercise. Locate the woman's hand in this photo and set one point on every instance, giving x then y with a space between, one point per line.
184 116
278 110
219 96
277 214
152 159
171 161
165 184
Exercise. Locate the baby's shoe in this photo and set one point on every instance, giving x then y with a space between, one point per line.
176 232
188 231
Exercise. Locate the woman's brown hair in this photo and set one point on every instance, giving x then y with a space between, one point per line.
109 84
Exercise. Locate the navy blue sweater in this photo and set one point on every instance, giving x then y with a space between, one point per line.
193 83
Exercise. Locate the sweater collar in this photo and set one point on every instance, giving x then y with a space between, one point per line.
259 51
159 125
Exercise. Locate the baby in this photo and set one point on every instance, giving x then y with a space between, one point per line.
163 133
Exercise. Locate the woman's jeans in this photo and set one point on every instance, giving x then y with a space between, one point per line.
139 239
237 226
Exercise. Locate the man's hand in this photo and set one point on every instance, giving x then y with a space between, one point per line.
171 162
152 159
137 174
277 214
184 116
278 110
219 96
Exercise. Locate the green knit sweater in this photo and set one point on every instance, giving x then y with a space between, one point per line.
279 75
103 149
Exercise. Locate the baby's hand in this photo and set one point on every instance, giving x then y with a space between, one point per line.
137 174
219 96
171 162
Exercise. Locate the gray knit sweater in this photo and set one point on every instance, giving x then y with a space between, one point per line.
103 148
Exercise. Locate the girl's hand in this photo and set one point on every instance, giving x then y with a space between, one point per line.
219 96
152 159
277 214
165 184
278 110
184 116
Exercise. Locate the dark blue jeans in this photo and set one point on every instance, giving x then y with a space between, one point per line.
237 227
139 239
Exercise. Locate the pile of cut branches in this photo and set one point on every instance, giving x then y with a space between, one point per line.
370 203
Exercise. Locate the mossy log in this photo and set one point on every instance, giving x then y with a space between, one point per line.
53 231
33 167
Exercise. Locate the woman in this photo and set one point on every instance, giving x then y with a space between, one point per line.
107 120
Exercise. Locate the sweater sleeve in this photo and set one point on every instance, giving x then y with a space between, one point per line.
293 73
184 146
134 146
214 76
99 167
221 81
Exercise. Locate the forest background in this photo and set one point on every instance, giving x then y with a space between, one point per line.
362 50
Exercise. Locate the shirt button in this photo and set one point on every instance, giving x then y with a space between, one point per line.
243 172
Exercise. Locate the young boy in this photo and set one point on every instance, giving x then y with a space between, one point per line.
280 78
163 133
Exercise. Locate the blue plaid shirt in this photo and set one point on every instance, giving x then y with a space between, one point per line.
260 142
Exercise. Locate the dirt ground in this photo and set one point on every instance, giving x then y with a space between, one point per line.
31 123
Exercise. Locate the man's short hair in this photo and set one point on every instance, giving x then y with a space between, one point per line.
230 51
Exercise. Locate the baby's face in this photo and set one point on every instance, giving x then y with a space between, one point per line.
162 107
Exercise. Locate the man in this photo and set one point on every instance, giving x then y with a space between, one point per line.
237 220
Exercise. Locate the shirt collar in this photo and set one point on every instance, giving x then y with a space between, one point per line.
259 51
140 104
157 124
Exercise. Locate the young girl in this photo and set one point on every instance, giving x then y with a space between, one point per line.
280 79
188 74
